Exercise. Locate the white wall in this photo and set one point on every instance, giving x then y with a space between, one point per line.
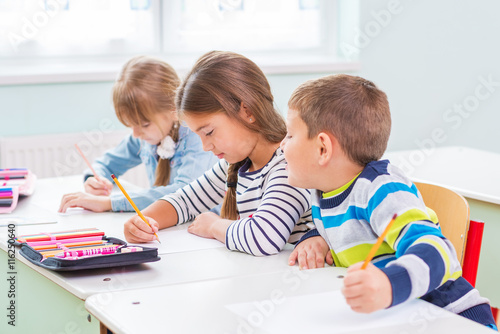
429 59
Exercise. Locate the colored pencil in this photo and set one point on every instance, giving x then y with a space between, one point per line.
89 251
14 172
64 241
380 239
69 244
60 235
133 204
88 163
53 252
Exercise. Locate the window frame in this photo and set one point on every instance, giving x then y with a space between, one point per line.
41 70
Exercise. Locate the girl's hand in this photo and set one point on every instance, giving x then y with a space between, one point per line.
94 187
204 225
86 201
367 290
137 231
311 253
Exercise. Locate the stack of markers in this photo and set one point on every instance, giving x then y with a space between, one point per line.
73 244
13 176
6 197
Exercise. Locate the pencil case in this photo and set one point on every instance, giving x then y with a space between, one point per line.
22 178
117 259
14 183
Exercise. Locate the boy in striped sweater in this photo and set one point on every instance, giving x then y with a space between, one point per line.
338 128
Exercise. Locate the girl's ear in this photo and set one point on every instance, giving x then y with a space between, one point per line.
246 114
325 147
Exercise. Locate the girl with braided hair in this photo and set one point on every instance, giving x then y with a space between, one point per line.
226 100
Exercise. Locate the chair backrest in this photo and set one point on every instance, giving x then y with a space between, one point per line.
453 212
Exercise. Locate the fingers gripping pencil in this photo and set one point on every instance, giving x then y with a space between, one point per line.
133 204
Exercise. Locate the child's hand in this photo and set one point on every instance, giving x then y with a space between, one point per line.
94 187
86 201
311 253
137 231
367 290
203 225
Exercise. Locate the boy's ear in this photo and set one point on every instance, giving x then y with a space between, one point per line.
325 148
245 113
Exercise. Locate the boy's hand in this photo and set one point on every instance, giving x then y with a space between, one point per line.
137 231
311 253
86 201
94 187
367 290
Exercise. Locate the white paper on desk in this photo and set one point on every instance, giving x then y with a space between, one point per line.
178 239
53 207
5 220
328 312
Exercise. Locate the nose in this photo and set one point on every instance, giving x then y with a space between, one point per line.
207 146
282 144
136 131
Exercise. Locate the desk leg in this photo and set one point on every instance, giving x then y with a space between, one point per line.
103 329
41 306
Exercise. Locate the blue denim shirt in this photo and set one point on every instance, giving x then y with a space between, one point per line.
188 163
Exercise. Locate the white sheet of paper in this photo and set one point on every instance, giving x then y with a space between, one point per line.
53 207
5 220
178 239
329 312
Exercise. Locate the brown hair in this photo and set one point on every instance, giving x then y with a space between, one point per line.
351 108
219 82
146 87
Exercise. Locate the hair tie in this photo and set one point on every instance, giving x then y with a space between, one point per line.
231 184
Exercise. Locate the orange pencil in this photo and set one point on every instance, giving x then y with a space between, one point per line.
88 163
380 239
133 204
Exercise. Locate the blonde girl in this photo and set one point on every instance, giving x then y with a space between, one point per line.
144 100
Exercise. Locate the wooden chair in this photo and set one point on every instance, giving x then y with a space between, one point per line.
453 213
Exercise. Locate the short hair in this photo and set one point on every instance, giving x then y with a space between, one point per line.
351 108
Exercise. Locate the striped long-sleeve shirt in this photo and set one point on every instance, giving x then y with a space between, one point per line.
271 211
418 260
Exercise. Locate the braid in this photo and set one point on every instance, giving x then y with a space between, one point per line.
163 168
229 209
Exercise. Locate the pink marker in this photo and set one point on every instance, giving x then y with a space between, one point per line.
88 252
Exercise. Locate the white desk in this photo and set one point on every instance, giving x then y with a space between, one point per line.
270 301
173 268
473 174
470 172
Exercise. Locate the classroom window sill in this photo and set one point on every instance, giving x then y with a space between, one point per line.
49 71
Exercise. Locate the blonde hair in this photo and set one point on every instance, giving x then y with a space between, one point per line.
351 108
146 87
220 82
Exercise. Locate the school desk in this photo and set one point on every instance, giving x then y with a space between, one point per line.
292 302
53 302
473 174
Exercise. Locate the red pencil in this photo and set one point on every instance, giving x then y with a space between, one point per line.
88 163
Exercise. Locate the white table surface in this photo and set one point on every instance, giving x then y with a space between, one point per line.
173 268
471 172
206 307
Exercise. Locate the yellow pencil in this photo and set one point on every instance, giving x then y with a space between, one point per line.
133 204
380 239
